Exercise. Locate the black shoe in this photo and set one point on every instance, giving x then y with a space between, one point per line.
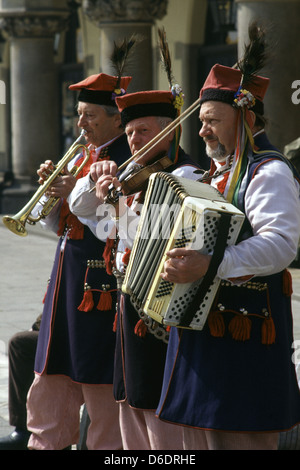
17 440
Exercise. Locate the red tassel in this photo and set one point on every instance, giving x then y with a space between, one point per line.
105 301
87 303
115 322
216 324
140 329
268 332
287 286
126 256
240 327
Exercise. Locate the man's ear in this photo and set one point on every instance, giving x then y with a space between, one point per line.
117 120
171 135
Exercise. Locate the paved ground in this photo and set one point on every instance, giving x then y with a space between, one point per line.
25 267
26 263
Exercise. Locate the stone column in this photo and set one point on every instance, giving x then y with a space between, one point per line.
35 117
282 21
5 154
120 19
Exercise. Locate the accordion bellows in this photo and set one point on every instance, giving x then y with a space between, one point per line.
177 212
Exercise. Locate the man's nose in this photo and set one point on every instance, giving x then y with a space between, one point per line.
81 120
205 130
135 138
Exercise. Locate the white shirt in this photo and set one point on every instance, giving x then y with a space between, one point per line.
273 208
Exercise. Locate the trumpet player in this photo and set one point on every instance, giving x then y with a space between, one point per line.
75 351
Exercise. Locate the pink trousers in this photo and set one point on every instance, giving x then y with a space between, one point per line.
53 414
196 439
141 430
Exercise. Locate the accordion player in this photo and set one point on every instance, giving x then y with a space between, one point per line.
178 212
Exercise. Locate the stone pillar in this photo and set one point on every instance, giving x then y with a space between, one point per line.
282 21
35 117
119 20
5 153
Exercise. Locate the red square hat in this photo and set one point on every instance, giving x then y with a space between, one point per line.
101 88
223 84
146 103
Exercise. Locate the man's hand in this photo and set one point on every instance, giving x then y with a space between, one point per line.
104 174
185 266
105 167
45 170
62 185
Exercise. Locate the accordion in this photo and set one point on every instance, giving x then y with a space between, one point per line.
178 212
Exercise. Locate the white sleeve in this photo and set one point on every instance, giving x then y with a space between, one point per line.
272 207
82 202
50 222
186 171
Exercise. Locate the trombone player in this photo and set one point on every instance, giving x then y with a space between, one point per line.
75 351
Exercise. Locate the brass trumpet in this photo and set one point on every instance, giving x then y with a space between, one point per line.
17 222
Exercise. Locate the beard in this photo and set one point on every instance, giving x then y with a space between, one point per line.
218 154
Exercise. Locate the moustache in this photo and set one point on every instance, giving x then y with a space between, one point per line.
210 137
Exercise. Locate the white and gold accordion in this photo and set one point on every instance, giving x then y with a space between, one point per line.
178 212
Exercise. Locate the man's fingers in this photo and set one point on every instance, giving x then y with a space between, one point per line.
179 253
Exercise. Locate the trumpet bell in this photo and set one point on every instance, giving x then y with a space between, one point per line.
14 225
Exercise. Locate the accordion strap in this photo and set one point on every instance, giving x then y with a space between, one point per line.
221 243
